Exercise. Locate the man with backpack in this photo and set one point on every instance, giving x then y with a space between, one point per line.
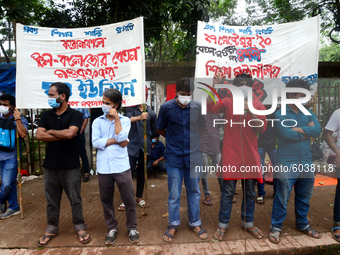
10 120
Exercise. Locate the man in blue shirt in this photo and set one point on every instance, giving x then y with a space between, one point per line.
156 157
136 144
8 159
110 137
179 121
296 169
82 148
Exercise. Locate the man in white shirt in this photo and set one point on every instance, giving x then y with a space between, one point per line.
109 136
333 125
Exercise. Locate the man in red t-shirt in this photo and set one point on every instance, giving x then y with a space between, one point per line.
239 154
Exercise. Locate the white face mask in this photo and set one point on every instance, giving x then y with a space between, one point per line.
4 110
184 100
244 91
106 108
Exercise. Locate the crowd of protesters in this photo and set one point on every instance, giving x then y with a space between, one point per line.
191 140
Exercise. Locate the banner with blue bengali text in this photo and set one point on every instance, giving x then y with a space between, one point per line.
272 54
89 60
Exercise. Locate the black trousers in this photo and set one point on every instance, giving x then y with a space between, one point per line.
139 171
82 153
125 187
55 181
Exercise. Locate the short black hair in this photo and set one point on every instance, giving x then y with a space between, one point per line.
185 84
297 83
243 77
8 97
115 96
156 135
62 88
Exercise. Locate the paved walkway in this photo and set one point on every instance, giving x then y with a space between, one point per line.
19 236
289 244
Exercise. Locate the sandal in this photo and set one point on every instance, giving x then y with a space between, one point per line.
260 200
275 236
141 203
220 235
336 237
306 231
50 237
168 234
121 207
199 233
254 232
83 236
207 202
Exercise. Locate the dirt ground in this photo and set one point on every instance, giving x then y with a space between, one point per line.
16 232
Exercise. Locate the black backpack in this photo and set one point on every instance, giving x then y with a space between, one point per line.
7 135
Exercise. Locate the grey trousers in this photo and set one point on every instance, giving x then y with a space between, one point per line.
125 186
55 181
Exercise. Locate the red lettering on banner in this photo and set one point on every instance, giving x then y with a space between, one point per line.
91 103
260 71
125 55
107 72
83 44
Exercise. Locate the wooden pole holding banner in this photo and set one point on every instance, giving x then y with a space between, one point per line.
39 150
145 165
19 176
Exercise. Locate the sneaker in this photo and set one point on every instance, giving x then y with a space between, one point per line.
86 178
111 237
9 213
3 207
133 236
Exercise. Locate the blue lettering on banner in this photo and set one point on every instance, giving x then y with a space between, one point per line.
61 34
93 92
251 53
311 79
46 86
96 32
209 27
246 31
226 30
32 30
267 31
127 28
87 88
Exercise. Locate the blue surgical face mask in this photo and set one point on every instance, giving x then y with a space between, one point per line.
53 102
154 140
106 108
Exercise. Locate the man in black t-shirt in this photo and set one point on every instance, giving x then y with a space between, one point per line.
59 127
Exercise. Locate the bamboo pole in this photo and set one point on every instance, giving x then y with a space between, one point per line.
39 150
145 165
19 176
33 147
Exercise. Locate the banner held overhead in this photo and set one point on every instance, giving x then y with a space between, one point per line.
89 60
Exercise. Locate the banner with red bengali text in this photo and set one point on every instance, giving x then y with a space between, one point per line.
89 60
273 55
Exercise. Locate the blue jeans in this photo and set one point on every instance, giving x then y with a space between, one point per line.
175 180
272 155
215 158
228 191
8 173
160 166
303 185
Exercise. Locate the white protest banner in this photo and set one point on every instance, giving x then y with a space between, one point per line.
89 60
272 55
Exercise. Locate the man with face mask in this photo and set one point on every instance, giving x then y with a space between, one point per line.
8 159
59 127
110 137
179 121
239 151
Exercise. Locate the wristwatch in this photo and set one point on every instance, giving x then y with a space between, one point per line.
17 119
